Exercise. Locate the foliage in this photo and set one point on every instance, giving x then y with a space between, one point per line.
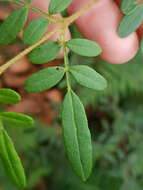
108 146
79 156
8 154
116 128
133 10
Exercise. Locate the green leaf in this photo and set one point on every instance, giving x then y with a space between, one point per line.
35 30
9 0
128 6
142 45
131 22
10 160
77 137
29 1
57 6
8 96
16 119
45 53
88 77
44 79
12 25
84 47
17 1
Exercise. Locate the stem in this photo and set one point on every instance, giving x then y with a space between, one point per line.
66 62
26 51
20 3
64 23
39 11
81 11
54 19
50 17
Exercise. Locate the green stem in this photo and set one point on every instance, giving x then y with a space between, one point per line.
66 62
39 11
51 18
20 3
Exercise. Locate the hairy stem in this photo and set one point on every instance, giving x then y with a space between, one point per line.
63 25
39 11
26 51
75 16
51 18
20 3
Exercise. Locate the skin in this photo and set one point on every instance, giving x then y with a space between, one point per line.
43 5
100 24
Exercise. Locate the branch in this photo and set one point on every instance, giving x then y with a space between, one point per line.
26 51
